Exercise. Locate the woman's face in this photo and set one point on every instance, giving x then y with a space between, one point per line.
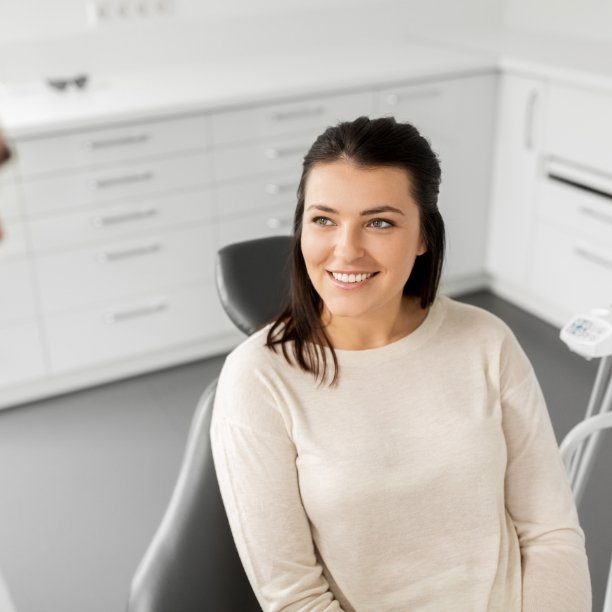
342 232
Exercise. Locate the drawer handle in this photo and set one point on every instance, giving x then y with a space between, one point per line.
300 112
123 180
276 152
278 222
126 253
596 214
117 142
606 263
135 215
393 99
125 315
582 186
276 188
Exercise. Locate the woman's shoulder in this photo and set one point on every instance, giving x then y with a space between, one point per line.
462 316
252 351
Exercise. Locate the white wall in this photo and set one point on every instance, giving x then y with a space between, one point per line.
586 19
52 38
34 20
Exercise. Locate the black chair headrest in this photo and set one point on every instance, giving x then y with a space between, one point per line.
252 279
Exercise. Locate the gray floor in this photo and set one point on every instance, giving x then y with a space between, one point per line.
86 476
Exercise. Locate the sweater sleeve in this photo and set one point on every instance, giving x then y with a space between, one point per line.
539 499
255 463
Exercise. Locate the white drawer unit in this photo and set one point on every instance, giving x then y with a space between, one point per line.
579 201
246 195
276 221
264 157
17 301
310 115
579 126
69 280
570 272
111 145
130 217
126 328
21 354
77 190
112 269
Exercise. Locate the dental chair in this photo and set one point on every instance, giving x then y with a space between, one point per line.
192 565
579 447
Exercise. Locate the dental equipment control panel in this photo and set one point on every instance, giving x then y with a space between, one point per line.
590 335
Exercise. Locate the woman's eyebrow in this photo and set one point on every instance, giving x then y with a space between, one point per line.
363 213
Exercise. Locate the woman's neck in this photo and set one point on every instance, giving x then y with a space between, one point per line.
346 333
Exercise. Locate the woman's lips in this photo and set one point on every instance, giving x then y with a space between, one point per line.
350 286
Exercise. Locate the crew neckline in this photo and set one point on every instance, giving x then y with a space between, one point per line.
410 342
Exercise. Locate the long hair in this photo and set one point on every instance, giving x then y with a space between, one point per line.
368 143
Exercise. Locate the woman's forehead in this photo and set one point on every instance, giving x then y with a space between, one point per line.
344 185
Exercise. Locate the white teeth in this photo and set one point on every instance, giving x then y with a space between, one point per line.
351 278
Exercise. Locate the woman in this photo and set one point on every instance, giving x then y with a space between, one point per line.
425 475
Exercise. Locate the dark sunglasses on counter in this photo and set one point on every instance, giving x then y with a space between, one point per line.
80 81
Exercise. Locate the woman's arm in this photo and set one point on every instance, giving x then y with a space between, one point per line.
538 495
255 462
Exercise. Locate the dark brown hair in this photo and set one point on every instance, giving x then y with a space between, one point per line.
368 143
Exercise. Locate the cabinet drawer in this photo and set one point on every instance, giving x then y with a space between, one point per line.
125 181
129 328
272 156
276 221
21 354
110 145
133 217
310 115
13 242
440 108
246 196
579 126
578 202
569 271
72 279
17 292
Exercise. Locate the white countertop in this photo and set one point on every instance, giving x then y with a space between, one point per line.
29 109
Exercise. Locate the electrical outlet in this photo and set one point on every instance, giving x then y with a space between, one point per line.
107 12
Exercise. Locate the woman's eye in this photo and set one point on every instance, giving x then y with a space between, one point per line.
316 220
389 223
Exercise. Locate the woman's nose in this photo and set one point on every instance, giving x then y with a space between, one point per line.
349 244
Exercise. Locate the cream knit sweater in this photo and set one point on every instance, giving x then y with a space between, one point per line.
430 480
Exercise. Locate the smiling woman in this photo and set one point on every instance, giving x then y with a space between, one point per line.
355 172
427 475
372 311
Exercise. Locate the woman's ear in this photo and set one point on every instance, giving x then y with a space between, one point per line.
422 248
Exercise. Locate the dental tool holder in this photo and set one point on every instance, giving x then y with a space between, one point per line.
589 335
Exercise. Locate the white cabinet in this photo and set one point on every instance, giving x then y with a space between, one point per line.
579 126
519 134
112 233
456 116
572 266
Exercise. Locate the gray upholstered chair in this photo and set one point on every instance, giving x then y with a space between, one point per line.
192 565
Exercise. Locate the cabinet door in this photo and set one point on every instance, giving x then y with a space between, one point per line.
456 116
519 135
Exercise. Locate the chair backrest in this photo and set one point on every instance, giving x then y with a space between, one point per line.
192 565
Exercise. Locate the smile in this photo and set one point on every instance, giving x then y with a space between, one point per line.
347 284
